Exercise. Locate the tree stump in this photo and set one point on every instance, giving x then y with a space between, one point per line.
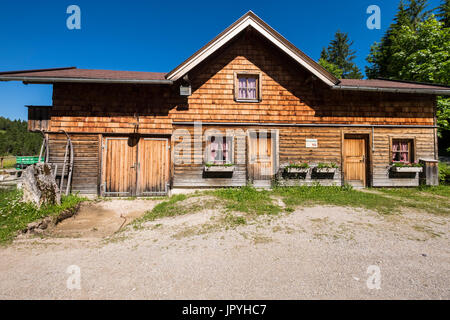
39 185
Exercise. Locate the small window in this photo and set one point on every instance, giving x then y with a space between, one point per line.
402 150
219 150
247 87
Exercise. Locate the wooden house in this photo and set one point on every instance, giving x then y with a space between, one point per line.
248 107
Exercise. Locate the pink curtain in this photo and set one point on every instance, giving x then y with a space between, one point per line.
394 150
213 151
404 154
225 149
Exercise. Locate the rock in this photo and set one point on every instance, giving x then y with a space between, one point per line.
39 185
33 225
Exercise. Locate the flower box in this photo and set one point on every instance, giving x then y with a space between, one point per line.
296 170
325 170
406 169
219 168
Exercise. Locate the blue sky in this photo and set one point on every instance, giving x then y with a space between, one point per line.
140 35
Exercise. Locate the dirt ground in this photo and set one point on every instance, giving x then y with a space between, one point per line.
312 253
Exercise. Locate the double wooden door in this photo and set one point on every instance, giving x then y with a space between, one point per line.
135 167
355 160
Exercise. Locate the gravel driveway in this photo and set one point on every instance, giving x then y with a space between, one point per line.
312 253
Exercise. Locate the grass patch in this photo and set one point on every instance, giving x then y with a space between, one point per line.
234 220
430 199
15 215
255 202
248 200
337 196
175 206
9 162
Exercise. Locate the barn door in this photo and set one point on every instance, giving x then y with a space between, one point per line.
153 166
260 159
355 159
119 167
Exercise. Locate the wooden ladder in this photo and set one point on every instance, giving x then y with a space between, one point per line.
68 161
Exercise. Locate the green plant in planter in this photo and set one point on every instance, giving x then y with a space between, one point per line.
209 164
406 165
297 166
322 165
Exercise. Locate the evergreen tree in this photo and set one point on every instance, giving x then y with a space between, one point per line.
444 13
340 56
380 57
16 140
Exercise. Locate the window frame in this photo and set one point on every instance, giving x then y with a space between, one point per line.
411 149
207 150
247 74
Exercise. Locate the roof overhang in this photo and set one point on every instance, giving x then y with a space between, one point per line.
47 80
438 92
35 77
250 19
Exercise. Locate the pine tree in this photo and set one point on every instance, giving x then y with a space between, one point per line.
380 57
417 13
444 13
340 55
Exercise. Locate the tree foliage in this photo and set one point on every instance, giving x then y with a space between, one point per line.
380 57
416 47
444 13
339 56
332 68
16 140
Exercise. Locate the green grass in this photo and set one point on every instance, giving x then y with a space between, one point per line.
9 162
337 196
173 207
254 202
248 200
430 199
15 215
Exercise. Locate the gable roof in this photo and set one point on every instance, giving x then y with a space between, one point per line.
72 74
251 19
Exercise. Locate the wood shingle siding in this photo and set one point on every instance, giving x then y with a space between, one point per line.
289 93
106 108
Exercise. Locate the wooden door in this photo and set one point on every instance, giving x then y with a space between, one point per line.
153 164
260 159
119 167
355 161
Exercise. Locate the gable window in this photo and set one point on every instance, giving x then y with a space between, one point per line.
247 87
402 150
219 150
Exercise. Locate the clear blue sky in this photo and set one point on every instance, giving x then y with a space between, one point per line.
141 35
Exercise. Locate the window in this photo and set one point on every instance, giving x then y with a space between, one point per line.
247 87
219 150
402 150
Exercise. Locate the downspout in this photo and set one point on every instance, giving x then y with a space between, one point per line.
436 156
373 139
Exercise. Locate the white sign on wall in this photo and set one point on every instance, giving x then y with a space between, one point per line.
311 143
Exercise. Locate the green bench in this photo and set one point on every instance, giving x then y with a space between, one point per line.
24 161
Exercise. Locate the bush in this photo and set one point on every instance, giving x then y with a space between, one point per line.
444 173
